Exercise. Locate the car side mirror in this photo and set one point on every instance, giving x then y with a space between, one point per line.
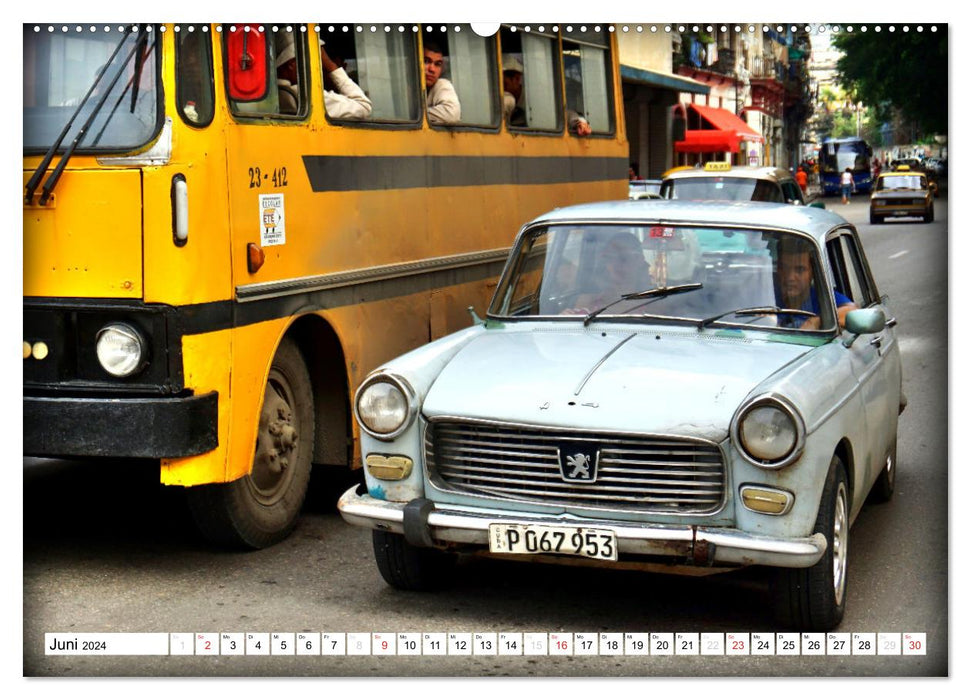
864 321
817 205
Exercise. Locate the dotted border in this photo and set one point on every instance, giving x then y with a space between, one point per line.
623 28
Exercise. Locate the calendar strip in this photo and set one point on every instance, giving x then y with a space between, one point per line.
486 644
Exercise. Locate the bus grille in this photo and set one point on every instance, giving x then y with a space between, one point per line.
644 474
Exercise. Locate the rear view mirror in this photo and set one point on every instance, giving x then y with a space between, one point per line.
248 62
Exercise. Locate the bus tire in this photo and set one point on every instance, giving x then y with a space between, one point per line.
261 508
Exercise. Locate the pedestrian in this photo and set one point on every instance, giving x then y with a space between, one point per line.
802 179
846 183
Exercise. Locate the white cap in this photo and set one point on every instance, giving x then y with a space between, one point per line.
510 62
285 54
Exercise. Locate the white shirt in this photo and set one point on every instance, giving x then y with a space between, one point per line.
350 102
442 103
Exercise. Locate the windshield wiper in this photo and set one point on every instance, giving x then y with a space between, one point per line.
62 163
656 292
49 156
755 311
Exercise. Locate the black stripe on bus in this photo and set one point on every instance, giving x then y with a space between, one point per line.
357 173
221 315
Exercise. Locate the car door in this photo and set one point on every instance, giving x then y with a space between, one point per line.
874 358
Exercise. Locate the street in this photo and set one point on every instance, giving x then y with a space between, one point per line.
106 549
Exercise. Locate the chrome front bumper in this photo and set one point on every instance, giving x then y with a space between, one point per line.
425 524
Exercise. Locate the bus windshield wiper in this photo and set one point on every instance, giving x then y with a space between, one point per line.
62 163
656 292
755 311
49 156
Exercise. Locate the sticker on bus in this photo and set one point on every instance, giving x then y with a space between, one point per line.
273 229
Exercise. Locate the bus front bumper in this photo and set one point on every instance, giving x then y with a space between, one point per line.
120 427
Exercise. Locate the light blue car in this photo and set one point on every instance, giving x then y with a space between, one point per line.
657 382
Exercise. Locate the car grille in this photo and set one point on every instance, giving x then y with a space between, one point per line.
636 473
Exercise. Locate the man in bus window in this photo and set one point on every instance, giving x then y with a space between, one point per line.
441 100
343 98
286 74
513 96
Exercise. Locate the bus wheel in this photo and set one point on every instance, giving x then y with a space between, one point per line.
261 508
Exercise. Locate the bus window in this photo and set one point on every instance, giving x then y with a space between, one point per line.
588 91
470 65
385 65
286 93
193 66
534 57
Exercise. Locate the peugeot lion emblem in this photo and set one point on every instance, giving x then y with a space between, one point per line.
578 462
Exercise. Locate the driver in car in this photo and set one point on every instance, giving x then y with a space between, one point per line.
621 269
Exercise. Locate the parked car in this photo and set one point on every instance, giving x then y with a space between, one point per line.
903 192
606 411
644 189
724 181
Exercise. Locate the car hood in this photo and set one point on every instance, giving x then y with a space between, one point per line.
680 382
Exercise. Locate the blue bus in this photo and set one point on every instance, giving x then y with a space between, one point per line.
836 155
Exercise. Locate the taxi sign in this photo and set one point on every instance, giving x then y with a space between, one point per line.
900 168
720 166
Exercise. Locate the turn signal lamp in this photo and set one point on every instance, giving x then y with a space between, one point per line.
389 467
762 499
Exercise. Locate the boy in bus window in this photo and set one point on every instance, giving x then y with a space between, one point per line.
343 98
441 100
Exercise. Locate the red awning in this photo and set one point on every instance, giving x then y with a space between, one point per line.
725 133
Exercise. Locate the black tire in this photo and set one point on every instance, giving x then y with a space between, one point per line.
814 599
882 490
410 568
261 508
874 219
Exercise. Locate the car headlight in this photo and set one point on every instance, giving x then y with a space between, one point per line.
385 406
769 432
121 350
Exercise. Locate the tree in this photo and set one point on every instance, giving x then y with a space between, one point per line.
906 71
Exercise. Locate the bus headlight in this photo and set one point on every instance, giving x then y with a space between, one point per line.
385 406
121 350
769 432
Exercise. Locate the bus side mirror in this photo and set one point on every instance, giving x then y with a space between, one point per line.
248 62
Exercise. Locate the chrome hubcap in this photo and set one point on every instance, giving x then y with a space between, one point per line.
840 544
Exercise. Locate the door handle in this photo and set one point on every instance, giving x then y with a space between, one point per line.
877 342
891 322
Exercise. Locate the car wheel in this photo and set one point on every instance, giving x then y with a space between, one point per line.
261 508
408 567
874 219
882 490
814 599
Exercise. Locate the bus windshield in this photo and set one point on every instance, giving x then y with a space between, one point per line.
61 67
837 156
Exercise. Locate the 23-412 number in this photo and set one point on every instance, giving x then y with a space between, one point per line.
257 177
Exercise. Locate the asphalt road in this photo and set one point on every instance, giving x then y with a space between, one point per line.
106 549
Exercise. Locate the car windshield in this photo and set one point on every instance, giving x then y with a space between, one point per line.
893 182
722 188
675 274
61 67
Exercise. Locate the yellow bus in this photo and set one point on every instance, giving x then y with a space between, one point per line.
216 254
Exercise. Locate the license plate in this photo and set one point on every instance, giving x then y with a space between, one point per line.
902 213
551 539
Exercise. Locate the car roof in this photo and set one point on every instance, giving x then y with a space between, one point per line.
756 172
815 222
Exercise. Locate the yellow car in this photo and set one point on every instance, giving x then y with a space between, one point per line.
902 192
